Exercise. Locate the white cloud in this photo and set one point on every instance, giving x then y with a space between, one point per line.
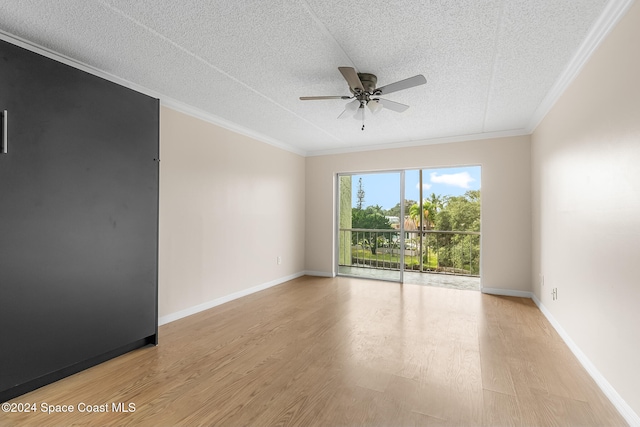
425 186
461 179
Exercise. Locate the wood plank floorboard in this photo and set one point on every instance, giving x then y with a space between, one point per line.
341 352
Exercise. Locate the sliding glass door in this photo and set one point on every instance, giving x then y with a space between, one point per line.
370 241
417 226
442 227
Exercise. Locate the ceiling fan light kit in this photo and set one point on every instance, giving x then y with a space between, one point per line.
375 106
364 93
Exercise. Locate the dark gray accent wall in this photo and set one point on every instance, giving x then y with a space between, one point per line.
78 220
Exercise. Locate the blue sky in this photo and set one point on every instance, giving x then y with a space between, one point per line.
383 188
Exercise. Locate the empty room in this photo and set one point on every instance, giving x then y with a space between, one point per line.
320 213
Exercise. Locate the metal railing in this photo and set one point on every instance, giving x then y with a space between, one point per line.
432 251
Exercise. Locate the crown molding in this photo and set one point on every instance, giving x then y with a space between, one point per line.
226 124
41 50
164 100
612 14
422 142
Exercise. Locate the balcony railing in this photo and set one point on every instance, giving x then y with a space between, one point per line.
433 251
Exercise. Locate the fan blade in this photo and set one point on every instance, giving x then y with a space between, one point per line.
352 78
313 98
392 105
401 85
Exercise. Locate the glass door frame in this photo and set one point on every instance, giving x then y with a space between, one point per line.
337 210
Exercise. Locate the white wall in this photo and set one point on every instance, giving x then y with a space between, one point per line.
506 198
229 205
586 209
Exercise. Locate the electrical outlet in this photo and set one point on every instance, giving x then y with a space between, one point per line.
542 280
554 293
279 260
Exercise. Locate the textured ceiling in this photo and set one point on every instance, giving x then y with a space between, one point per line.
489 64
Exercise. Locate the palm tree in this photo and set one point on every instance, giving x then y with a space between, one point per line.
427 213
414 214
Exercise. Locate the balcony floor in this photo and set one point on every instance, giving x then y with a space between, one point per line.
414 278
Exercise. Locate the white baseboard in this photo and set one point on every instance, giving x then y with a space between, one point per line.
625 410
218 301
318 273
506 292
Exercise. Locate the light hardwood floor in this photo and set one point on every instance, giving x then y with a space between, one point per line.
342 352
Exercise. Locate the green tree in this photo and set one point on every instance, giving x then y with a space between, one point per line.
371 217
360 194
429 212
414 214
437 204
395 211
460 213
437 201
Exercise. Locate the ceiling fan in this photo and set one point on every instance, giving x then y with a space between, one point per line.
365 94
